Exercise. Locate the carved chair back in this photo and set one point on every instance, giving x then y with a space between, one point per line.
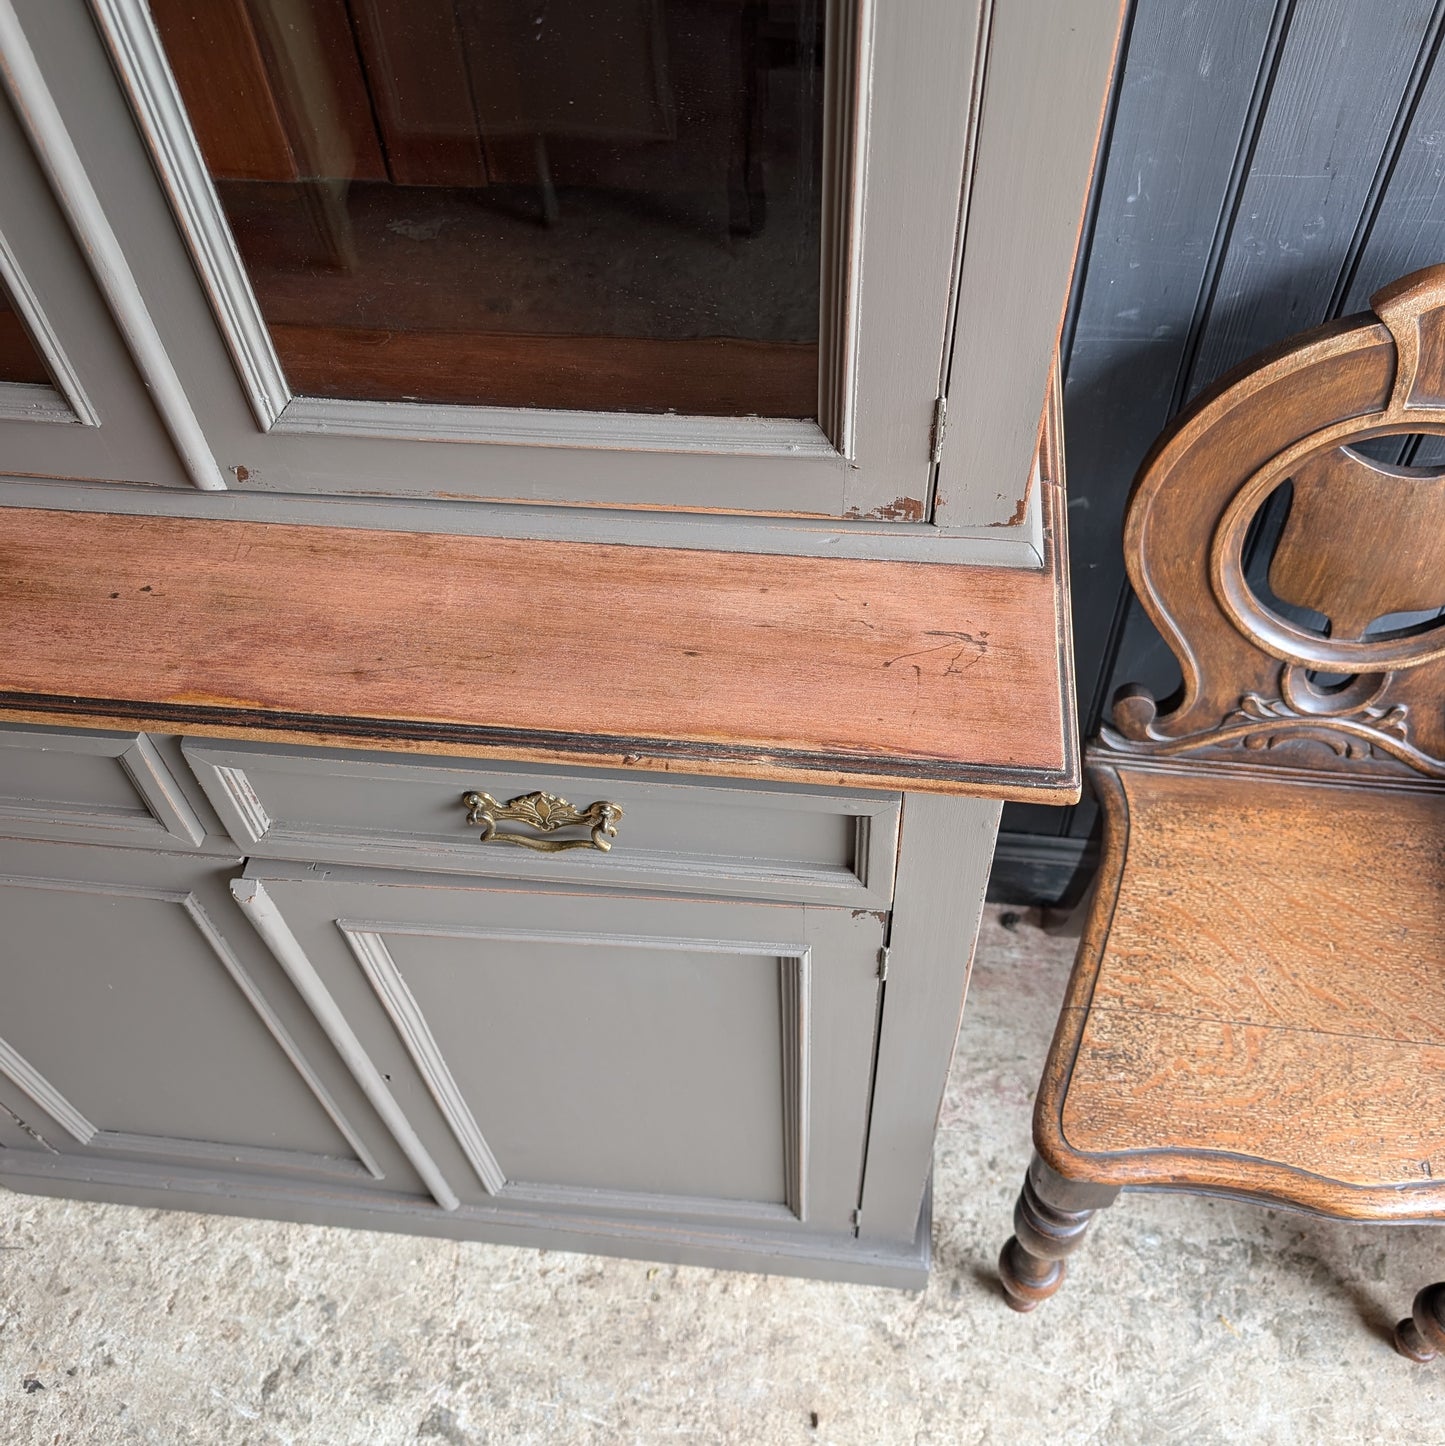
1362 693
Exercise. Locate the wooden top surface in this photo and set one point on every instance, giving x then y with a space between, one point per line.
1265 1008
870 673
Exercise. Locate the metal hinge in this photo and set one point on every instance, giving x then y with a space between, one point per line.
883 962
940 421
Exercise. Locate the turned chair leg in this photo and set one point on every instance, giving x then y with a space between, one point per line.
1050 1219
1421 1335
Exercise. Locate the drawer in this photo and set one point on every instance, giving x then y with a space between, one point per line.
81 787
718 837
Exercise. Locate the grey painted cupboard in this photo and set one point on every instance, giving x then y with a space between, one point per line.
675 1056
528 565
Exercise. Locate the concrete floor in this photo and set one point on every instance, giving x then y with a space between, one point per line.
1184 1319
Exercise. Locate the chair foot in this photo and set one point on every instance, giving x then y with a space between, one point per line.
1421 1335
1028 1280
1050 1220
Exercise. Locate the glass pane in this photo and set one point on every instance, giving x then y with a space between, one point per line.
19 361
557 203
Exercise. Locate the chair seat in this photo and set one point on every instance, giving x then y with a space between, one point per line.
1265 1010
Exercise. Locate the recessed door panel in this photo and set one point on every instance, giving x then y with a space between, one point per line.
144 1025
658 1071
568 1052
125 1018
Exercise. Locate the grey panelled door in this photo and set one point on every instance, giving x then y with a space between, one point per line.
146 1029
568 1051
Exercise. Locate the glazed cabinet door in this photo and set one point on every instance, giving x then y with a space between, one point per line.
149 1040
593 254
690 257
566 1056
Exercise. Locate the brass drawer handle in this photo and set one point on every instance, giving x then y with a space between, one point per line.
546 813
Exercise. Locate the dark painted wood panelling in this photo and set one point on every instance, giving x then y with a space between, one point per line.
1324 133
1267 166
1407 229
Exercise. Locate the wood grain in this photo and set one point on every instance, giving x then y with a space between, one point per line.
216 58
1358 573
1337 937
1262 1000
712 376
836 671
1206 477
1364 1112
1286 1047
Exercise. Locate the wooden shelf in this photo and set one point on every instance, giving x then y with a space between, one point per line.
884 674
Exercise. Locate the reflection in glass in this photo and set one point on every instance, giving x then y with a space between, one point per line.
19 361
557 203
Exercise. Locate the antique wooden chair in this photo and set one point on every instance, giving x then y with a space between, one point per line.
1257 1008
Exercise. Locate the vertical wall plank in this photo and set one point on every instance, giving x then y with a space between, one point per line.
1191 74
1407 230
1343 74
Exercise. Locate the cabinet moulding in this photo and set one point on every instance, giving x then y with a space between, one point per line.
66 400
166 818
258 906
53 1100
66 172
368 945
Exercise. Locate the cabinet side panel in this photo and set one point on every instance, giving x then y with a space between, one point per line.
943 863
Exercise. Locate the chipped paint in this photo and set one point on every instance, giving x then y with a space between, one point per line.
901 509
1018 515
